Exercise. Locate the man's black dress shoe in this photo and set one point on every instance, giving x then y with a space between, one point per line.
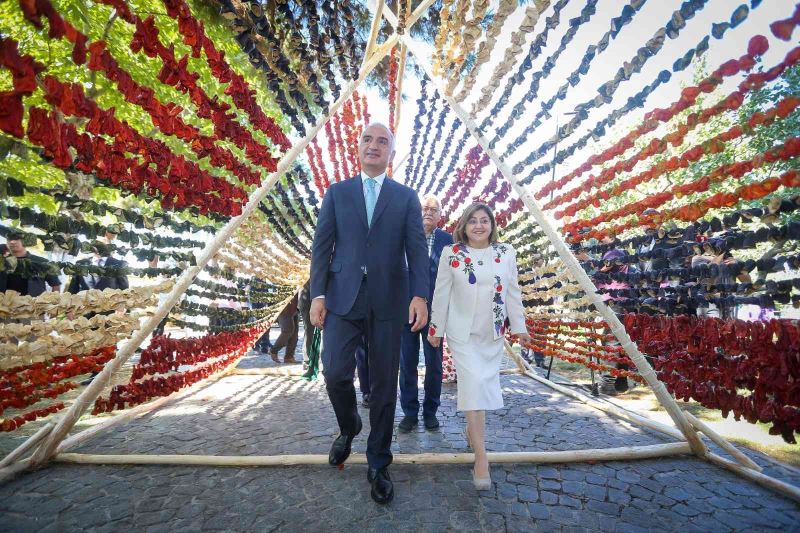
407 423
365 400
382 488
431 422
340 450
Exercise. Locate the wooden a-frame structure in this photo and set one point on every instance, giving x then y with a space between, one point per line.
51 442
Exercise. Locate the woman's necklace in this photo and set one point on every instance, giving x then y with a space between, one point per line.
485 251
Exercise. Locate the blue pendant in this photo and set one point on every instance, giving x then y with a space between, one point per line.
472 279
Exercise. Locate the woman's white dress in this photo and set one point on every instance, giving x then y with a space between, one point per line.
478 360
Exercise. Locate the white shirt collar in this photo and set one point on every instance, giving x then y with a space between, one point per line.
379 178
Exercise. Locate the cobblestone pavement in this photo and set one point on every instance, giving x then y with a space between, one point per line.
264 415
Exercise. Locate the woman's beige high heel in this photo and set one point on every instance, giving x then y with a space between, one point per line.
481 483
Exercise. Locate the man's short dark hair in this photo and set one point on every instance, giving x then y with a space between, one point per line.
15 236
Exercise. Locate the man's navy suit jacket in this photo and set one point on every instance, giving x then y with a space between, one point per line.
344 243
440 239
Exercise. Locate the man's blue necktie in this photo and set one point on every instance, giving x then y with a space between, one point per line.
370 199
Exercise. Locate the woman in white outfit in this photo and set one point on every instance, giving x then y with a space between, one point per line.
476 302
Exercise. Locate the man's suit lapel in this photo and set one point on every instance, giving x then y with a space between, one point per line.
383 200
357 191
438 243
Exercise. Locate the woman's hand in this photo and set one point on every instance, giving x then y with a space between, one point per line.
524 337
434 341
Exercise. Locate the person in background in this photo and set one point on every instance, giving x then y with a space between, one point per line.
41 271
437 239
113 279
290 331
110 275
613 262
253 296
362 369
651 231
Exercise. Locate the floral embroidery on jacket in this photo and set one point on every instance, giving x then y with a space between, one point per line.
461 256
498 308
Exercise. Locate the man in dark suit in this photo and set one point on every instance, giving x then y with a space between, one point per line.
113 279
39 271
409 354
367 227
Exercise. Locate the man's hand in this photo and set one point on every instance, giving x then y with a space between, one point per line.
318 312
418 313
434 341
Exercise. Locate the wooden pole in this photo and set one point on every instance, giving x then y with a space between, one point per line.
373 33
32 441
12 470
403 161
400 74
722 443
787 490
571 456
522 365
87 397
617 328
139 410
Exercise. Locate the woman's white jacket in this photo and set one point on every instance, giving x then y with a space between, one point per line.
455 298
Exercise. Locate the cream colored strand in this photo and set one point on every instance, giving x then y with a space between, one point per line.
510 59
469 36
505 8
12 305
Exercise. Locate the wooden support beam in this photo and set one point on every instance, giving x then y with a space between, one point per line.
549 228
10 471
722 443
571 456
522 364
790 491
32 441
401 71
373 32
403 161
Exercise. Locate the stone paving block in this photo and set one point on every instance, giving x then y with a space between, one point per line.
594 492
618 496
685 510
548 472
677 493
564 500
548 498
603 507
549 484
518 524
539 511
575 488
527 493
